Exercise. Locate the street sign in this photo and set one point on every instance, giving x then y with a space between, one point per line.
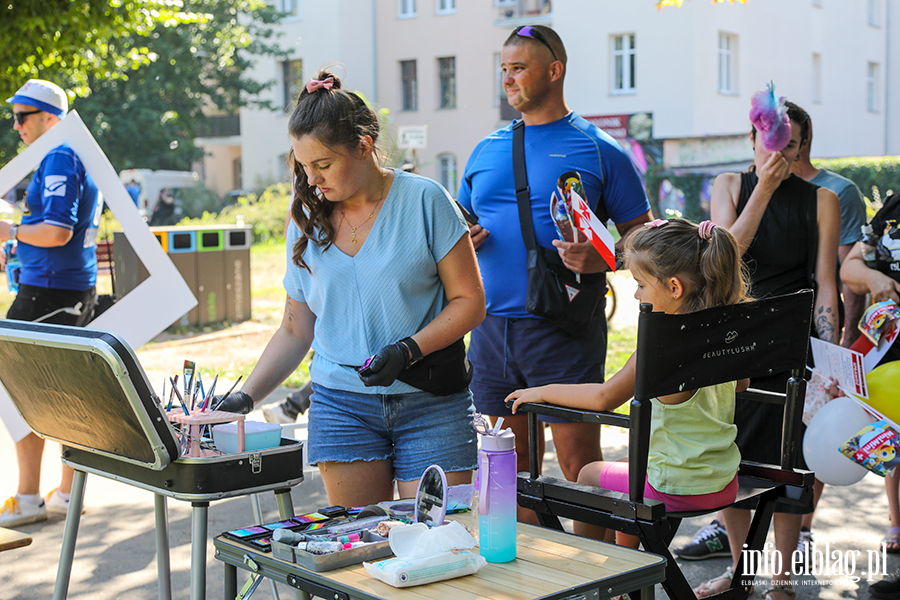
412 136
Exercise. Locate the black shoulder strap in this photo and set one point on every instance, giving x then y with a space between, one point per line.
523 192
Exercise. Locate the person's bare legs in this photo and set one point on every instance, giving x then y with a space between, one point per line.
787 534
737 523
408 489
519 425
590 475
29 452
578 446
807 519
65 482
892 491
358 483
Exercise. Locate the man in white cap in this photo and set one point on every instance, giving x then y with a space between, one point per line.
57 245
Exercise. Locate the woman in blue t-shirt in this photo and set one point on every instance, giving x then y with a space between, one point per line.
381 273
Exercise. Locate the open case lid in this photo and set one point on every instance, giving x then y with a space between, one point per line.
85 388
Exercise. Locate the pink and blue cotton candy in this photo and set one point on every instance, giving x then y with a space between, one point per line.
770 118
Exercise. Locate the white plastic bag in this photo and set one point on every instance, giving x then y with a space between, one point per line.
425 555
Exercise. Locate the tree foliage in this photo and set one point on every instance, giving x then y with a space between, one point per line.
156 67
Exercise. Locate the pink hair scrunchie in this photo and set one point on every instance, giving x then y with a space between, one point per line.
656 223
704 230
315 84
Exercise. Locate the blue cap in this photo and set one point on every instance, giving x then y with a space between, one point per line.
44 95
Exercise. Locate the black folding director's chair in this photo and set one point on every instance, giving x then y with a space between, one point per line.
685 352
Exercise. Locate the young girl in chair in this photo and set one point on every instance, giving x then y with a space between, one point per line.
679 267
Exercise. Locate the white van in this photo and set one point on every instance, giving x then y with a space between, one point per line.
151 182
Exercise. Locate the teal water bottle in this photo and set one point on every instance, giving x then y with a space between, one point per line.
497 501
13 267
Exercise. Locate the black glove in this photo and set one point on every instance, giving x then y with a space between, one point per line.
384 367
235 402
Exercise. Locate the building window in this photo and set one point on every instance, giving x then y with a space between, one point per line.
445 7
816 92
447 74
872 87
407 9
410 85
447 176
727 51
292 81
874 12
291 7
623 63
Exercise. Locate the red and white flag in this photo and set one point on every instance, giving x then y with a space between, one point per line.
596 233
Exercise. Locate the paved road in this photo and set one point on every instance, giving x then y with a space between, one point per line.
116 557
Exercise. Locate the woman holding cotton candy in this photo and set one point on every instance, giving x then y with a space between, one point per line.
788 231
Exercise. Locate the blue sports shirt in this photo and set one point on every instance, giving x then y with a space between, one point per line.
488 190
388 291
61 193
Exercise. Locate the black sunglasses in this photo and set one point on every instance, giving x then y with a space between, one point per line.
530 32
19 117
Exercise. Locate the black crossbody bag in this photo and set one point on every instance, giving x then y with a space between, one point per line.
441 373
554 293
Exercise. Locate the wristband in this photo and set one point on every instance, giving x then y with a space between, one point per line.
14 231
414 351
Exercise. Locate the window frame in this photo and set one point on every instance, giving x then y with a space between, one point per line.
816 70
403 9
624 59
294 14
412 94
727 62
290 99
444 173
446 10
448 79
873 73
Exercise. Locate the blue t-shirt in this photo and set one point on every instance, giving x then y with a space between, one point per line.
488 190
61 193
853 207
388 291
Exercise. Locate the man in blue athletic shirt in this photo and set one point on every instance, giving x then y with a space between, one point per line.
512 349
57 245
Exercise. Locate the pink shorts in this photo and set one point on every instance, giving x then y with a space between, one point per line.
614 476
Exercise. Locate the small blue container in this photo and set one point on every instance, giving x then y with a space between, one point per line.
257 436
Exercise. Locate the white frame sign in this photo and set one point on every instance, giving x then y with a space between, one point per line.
141 314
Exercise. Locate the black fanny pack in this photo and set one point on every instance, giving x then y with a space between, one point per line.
441 373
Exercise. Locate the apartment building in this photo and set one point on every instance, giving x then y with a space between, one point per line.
675 82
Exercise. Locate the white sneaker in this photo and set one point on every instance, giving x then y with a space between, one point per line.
275 413
58 505
15 513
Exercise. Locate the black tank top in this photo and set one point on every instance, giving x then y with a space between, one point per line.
781 259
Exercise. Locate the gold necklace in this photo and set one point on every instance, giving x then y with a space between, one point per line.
371 214
352 228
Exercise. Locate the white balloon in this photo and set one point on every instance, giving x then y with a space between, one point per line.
830 427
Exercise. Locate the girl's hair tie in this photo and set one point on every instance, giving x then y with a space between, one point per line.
705 230
656 223
314 84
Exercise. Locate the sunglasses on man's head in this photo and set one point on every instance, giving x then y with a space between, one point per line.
530 32
19 117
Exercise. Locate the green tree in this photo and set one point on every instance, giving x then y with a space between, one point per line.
147 111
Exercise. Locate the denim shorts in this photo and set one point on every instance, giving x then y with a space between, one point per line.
413 430
512 354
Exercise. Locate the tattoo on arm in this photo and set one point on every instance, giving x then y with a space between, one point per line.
287 310
825 327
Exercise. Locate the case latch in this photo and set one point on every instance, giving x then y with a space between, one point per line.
256 462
